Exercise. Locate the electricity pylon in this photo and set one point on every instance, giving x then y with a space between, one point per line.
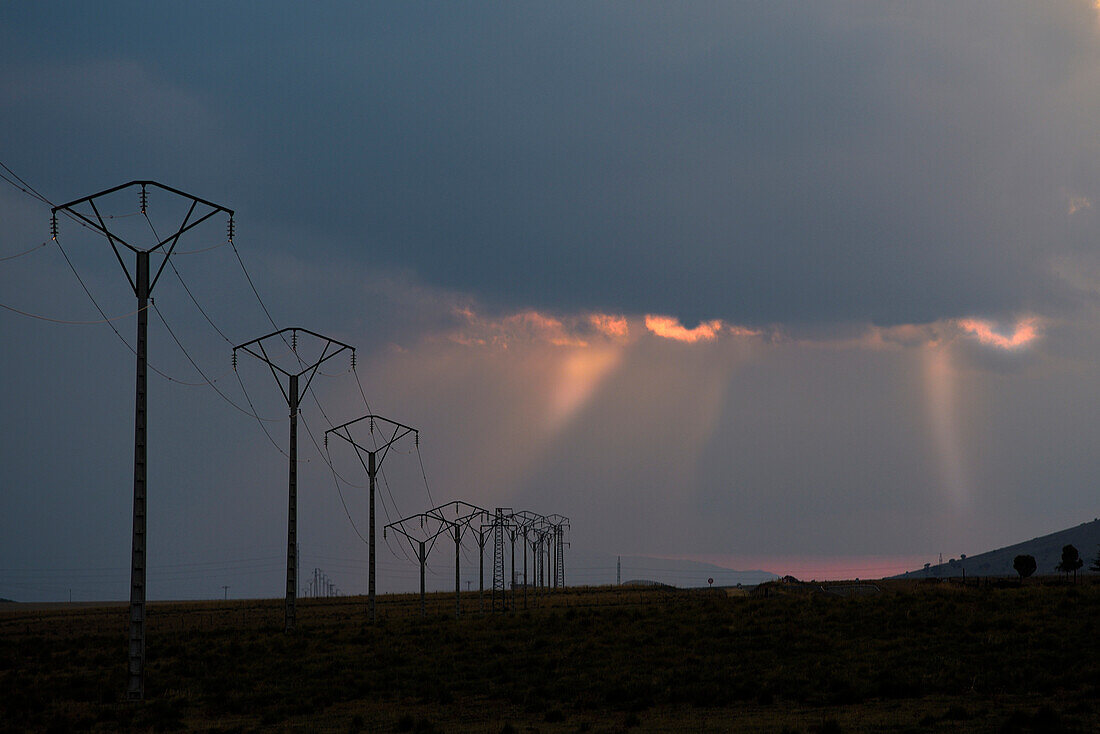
422 543
292 395
558 525
142 285
373 465
464 516
502 524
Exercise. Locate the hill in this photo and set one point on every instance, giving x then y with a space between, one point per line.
688 574
1046 549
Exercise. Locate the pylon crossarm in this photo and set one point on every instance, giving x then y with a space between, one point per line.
263 355
111 238
313 371
359 455
175 238
528 518
273 368
400 430
473 512
398 526
120 187
192 225
279 332
372 416
99 226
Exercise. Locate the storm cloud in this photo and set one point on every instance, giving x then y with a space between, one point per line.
765 280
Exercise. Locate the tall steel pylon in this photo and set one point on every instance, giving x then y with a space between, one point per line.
142 285
502 520
558 525
373 465
292 395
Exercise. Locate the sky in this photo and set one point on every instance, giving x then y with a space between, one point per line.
807 288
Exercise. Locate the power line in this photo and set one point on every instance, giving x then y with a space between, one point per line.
198 369
201 249
107 320
336 482
64 321
252 285
25 252
188 290
29 190
259 420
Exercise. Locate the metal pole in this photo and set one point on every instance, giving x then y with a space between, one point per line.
554 558
136 687
524 567
372 472
512 538
423 559
458 540
292 510
481 570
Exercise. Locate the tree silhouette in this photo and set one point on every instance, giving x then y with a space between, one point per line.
1071 561
1096 562
1024 565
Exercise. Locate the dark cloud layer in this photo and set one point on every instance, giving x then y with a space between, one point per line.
760 163
453 188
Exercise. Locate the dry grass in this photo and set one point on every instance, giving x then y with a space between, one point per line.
914 658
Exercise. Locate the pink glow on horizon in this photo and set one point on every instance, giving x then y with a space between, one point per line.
816 568
1026 331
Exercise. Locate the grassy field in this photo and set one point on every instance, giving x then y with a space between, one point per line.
917 657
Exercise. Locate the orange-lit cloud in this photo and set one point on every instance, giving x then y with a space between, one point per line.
526 326
591 346
587 329
670 328
1078 203
614 326
580 330
1026 331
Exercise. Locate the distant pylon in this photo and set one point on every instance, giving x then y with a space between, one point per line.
499 517
559 557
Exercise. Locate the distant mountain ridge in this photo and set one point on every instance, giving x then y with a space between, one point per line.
1046 549
686 574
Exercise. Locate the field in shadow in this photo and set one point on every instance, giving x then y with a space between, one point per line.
916 657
